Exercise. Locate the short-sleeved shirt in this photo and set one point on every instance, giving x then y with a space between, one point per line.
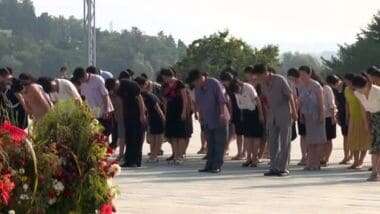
246 98
209 99
372 103
277 92
94 90
66 91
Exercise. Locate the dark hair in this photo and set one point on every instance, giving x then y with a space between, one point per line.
167 72
159 79
259 68
144 75
92 70
141 81
349 76
373 71
332 79
26 78
230 70
79 73
359 81
305 69
293 72
110 84
226 76
17 85
75 81
124 75
130 72
272 70
4 72
248 69
235 85
128 89
316 77
194 75
46 83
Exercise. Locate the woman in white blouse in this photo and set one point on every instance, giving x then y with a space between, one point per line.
330 111
369 96
252 117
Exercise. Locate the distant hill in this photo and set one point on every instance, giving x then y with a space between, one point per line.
42 44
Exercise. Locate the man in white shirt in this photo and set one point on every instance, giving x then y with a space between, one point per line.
369 96
96 96
59 89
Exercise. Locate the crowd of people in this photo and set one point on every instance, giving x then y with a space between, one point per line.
263 111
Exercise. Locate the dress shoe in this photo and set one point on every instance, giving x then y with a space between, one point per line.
216 171
204 170
246 164
271 173
284 173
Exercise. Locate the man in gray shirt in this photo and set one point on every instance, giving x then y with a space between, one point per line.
281 111
212 106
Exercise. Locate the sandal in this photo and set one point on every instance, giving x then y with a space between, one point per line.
247 164
373 178
253 165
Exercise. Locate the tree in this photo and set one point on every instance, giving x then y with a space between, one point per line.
215 52
42 44
360 55
290 60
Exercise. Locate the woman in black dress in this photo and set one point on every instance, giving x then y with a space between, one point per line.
236 120
175 98
339 87
156 119
134 121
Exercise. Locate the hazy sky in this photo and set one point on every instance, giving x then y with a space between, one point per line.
296 25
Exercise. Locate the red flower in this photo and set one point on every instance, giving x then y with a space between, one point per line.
17 135
6 187
109 151
106 209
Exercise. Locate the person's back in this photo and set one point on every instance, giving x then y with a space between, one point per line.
277 91
66 91
36 101
93 89
208 100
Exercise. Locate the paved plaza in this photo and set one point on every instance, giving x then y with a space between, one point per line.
163 189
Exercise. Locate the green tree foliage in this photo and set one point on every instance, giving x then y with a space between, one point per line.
360 55
296 59
215 52
42 44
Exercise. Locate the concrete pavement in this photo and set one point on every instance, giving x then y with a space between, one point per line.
163 189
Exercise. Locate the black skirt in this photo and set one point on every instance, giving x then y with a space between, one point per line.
175 129
330 129
294 131
189 127
301 128
252 125
239 127
156 127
